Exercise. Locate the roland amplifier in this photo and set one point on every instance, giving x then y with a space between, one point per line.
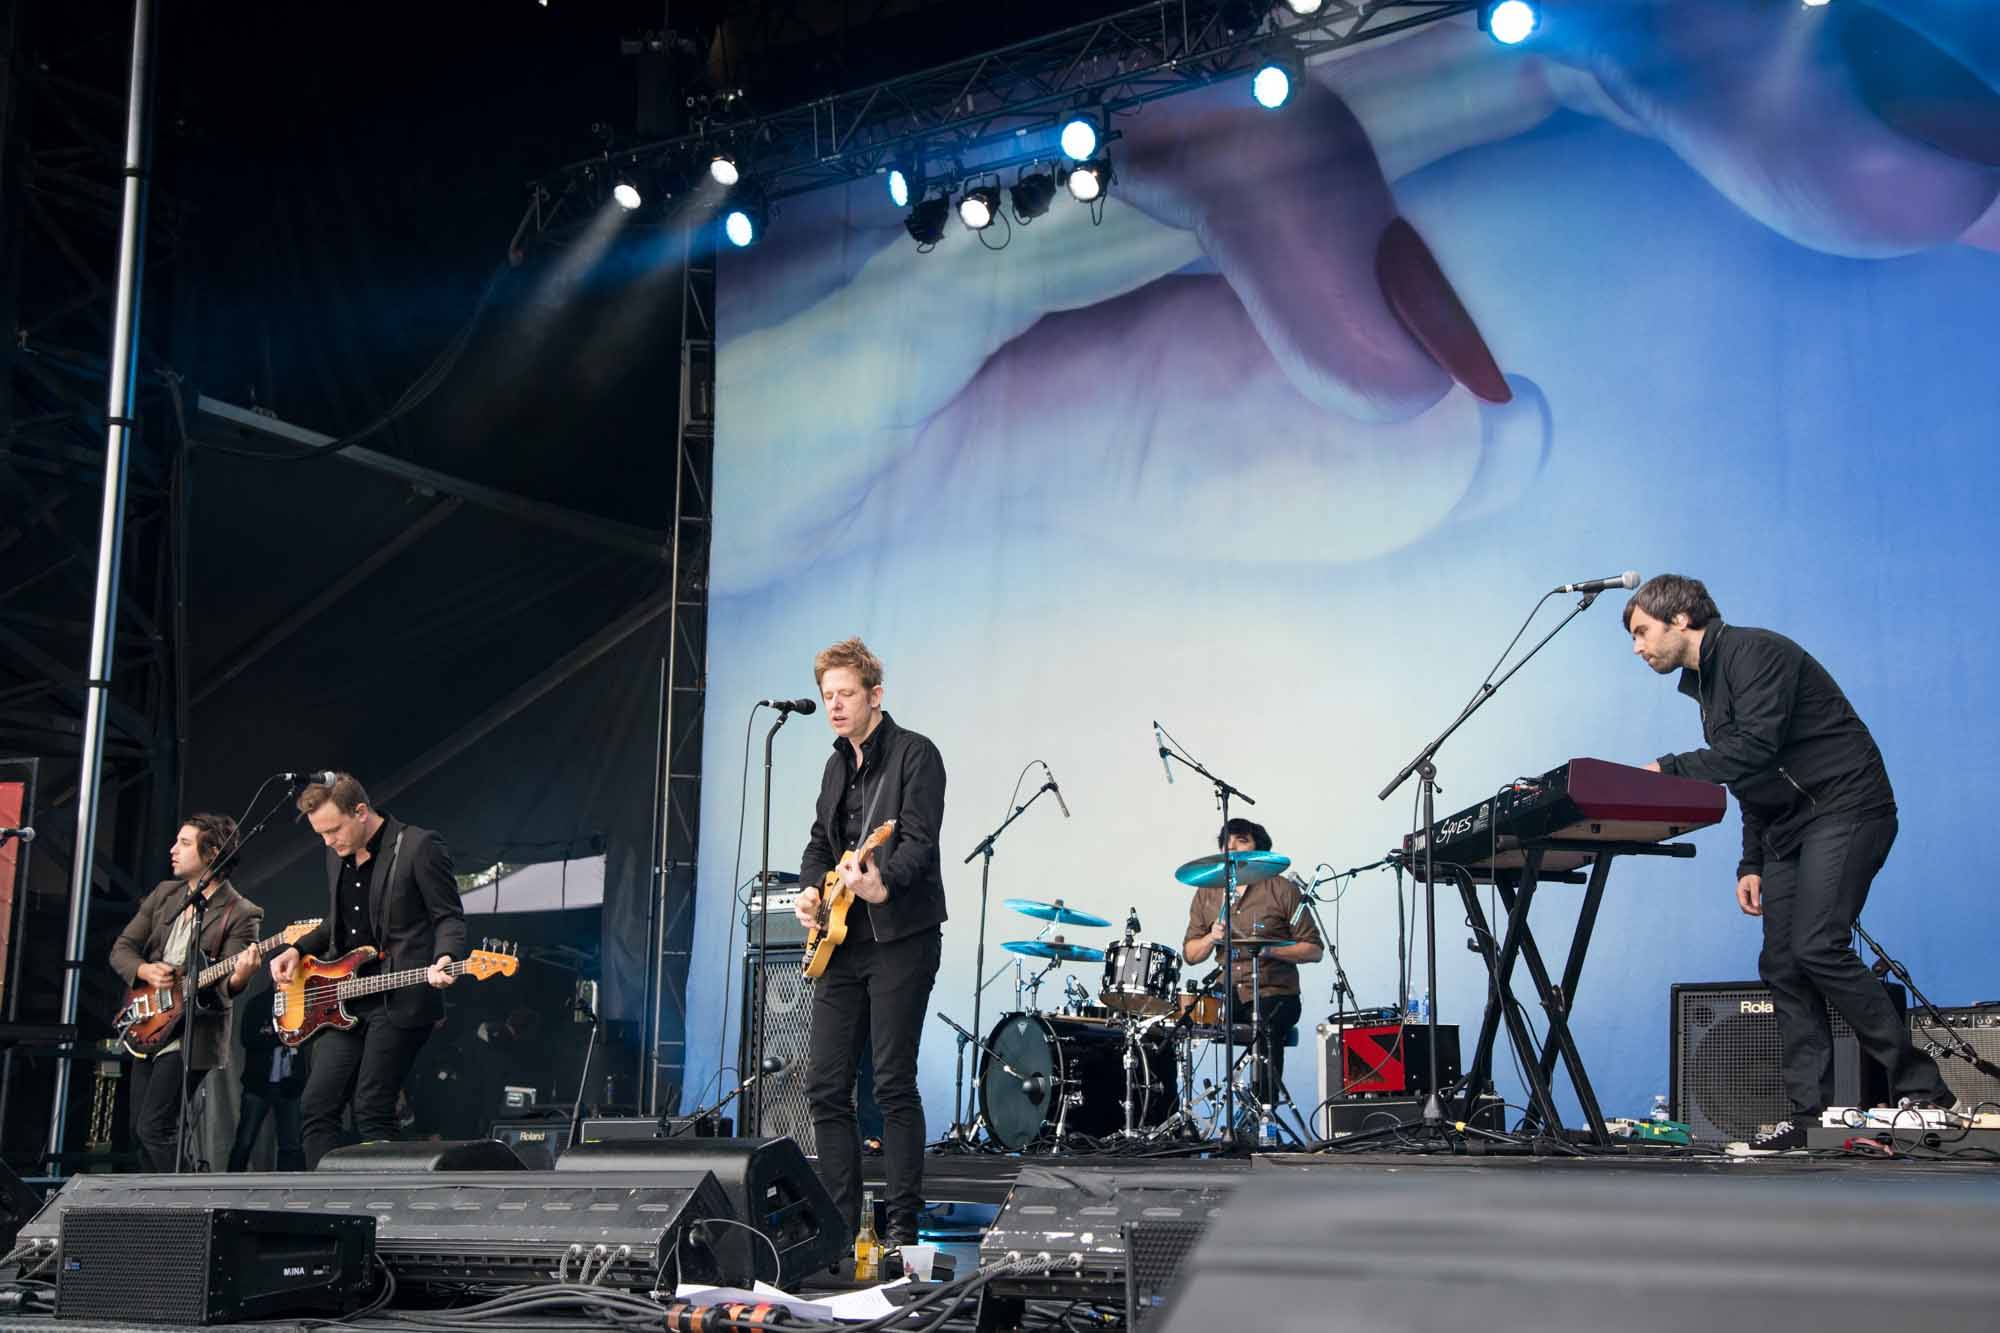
1724 1066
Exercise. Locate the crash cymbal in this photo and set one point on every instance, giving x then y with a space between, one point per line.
1251 867
1060 950
1056 911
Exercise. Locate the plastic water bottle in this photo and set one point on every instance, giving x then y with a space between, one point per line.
1420 1007
1660 1114
1267 1133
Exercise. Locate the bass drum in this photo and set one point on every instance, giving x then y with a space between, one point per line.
1058 1058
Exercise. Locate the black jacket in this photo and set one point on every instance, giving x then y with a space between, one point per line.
912 775
260 1039
1781 737
229 924
416 915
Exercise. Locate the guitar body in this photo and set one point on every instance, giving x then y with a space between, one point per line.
311 999
835 900
155 1014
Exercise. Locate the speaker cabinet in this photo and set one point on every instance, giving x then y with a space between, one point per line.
1725 1074
768 1182
423 1155
1981 1027
778 1103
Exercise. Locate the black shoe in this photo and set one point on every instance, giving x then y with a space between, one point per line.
1785 1136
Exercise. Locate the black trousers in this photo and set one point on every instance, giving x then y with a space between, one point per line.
1280 1014
156 1108
879 993
368 1062
1811 899
268 1100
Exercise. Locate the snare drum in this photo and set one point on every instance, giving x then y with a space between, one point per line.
1141 978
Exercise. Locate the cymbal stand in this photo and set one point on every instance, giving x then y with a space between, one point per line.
1223 791
1426 774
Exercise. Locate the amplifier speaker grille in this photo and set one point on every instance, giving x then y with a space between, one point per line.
94 1279
1726 1079
1980 1027
780 1102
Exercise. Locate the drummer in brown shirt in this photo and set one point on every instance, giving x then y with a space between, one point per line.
1273 909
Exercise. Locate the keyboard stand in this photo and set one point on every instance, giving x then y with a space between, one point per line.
1516 889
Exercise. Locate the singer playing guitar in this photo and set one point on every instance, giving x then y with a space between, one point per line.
877 984
389 885
153 949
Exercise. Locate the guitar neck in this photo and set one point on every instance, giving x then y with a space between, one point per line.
354 986
216 971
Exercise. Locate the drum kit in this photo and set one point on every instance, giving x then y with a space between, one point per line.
1119 1065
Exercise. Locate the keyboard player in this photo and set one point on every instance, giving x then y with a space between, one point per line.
1819 817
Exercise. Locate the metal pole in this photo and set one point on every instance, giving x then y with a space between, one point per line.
121 398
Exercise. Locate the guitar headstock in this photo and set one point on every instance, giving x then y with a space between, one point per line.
298 930
493 958
876 838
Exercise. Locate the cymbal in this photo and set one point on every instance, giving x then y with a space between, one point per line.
1059 950
1252 943
1056 911
1251 867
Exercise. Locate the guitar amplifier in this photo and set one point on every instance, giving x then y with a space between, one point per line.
777 900
1980 1026
1387 1058
1724 1060
775 1107
210 1265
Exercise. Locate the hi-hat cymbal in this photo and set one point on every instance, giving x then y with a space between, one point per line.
1251 867
1059 950
1056 911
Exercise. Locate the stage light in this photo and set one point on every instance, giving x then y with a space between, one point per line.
1271 86
899 188
1079 138
1814 4
1510 22
626 192
1032 195
742 226
976 207
722 168
926 221
1305 9
1088 180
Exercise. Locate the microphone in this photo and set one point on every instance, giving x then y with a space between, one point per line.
322 776
1057 790
772 1064
790 705
1131 923
1160 739
24 833
1629 579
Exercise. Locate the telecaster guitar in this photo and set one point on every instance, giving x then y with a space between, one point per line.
152 1014
316 996
834 900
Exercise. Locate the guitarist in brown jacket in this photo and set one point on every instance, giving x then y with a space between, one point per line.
877 984
152 949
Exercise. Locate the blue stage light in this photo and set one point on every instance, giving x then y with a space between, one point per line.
1271 86
1512 22
1079 138
740 227
899 188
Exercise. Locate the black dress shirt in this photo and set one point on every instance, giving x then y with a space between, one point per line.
902 779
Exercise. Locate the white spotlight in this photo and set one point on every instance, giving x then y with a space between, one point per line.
627 195
1305 9
722 167
739 227
899 188
977 207
1512 22
1079 138
1271 86
1087 181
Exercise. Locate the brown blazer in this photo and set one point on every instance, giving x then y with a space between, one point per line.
229 924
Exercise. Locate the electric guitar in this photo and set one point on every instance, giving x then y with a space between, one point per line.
152 1014
316 996
834 900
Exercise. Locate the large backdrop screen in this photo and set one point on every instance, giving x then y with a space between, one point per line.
1215 457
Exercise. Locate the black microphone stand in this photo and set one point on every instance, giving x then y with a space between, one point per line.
1951 1043
961 1131
1426 772
1223 791
196 901
758 1027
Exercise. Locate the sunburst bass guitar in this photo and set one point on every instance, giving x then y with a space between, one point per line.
834 900
316 997
152 1014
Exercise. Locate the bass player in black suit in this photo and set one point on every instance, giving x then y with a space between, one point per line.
390 885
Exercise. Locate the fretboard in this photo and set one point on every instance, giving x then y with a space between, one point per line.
215 972
354 986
